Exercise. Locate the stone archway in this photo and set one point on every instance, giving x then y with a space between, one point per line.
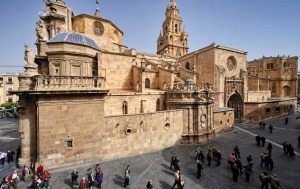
236 102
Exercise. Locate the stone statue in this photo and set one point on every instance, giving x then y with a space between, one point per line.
29 55
40 31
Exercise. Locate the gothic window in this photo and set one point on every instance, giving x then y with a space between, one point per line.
158 105
270 66
125 107
286 65
147 83
176 28
187 66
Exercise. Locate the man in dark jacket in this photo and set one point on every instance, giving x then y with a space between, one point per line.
237 152
74 177
199 168
219 157
10 156
263 140
235 172
257 138
248 171
269 148
284 145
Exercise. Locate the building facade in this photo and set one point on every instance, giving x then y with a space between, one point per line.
10 82
86 97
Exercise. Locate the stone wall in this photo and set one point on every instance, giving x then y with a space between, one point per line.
259 96
113 103
165 78
223 120
273 108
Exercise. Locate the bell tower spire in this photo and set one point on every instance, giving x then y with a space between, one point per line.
174 39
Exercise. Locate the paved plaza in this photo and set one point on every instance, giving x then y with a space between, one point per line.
155 165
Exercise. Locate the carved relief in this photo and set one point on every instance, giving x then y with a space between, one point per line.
231 63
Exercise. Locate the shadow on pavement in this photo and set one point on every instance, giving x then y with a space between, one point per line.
164 184
118 180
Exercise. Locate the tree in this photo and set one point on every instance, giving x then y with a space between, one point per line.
8 105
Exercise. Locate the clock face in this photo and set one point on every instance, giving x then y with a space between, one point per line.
98 28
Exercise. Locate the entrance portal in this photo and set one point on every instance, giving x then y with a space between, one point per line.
235 101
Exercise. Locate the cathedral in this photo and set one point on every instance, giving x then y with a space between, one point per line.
86 97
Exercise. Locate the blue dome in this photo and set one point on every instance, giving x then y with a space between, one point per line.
76 38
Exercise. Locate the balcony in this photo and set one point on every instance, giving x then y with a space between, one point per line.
48 83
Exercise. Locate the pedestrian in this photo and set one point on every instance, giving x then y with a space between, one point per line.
5 184
40 171
36 183
14 179
100 177
150 184
250 160
270 128
263 125
248 171
83 183
46 177
176 178
199 168
271 163
290 150
284 145
127 176
237 152
235 172
91 178
269 148
172 162
239 165
26 173
74 177
263 140
264 179
10 156
176 163
262 158
201 156
274 181
286 120
2 157
232 159
260 124
267 161
219 157
181 182
209 157
257 138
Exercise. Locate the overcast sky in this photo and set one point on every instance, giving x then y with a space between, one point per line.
259 27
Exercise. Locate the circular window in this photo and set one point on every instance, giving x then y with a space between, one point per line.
128 131
167 126
98 28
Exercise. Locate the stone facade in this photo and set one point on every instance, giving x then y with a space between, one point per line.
10 83
91 98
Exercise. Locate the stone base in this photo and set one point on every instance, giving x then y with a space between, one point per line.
24 161
196 138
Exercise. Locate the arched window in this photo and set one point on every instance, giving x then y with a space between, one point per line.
171 37
158 105
187 66
176 28
147 83
125 107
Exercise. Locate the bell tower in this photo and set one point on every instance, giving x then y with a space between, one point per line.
173 39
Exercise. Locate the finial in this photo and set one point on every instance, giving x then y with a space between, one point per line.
97 13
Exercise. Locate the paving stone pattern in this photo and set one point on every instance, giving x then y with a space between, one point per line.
155 165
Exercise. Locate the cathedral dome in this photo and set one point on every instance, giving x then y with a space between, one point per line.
76 38
172 5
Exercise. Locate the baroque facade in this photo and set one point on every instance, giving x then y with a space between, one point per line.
86 97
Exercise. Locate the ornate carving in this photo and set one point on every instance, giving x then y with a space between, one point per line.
29 55
40 31
230 64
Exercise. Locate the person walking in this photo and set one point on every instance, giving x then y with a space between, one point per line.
262 158
46 177
284 146
40 171
209 157
290 150
269 148
10 156
260 124
100 177
74 177
257 138
36 182
263 140
286 120
83 183
219 157
274 182
2 157
26 173
176 178
232 159
270 128
176 163
150 184
237 152
5 184
239 165
91 178
14 179
235 172
199 168
248 171
264 179
127 176
172 162
250 160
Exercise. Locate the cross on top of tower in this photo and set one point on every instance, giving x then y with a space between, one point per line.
97 13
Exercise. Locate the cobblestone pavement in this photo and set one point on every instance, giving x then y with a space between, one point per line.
155 165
